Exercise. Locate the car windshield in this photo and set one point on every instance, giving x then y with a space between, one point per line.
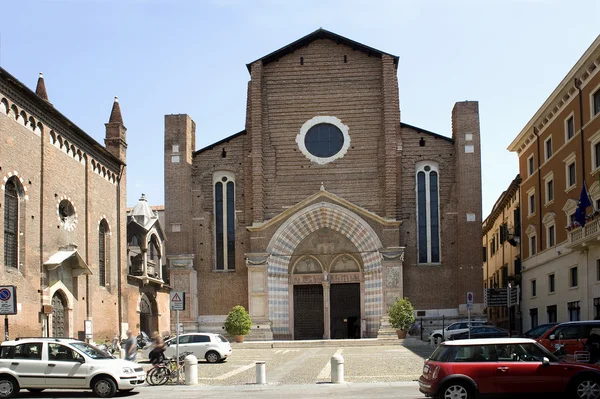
538 331
91 351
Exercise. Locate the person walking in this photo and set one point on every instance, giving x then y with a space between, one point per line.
130 347
115 344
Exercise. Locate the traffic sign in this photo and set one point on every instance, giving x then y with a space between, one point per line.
8 299
469 298
177 300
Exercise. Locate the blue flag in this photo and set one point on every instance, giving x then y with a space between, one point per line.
584 202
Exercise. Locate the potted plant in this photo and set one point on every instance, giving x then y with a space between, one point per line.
238 323
402 316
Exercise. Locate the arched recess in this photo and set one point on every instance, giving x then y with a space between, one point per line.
59 288
147 309
298 227
307 264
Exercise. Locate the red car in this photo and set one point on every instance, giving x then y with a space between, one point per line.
466 369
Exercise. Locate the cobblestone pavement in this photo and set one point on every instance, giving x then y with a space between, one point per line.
286 366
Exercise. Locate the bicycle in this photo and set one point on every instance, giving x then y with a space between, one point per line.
168 370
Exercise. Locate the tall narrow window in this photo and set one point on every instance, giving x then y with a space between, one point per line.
102 233
11 223
224 186
596 97
428 220
570 128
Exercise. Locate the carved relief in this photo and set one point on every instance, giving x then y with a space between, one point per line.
393 277
307 265
344 264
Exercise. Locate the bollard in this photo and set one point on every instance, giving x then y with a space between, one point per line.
122 353
191 370
261 372
337 369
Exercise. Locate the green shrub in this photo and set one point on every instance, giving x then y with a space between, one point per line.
402 314
238 321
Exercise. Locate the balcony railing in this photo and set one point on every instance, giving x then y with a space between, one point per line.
585 236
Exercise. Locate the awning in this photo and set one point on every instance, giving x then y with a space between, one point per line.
68 256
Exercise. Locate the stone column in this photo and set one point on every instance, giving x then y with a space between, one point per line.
326 307
393 289
258 296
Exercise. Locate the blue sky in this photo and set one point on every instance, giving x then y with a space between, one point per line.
166 57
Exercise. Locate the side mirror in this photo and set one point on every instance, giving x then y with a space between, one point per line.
80 360
545 361
552 337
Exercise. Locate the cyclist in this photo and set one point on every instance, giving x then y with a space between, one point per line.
157 355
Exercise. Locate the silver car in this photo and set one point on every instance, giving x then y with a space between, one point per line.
212 347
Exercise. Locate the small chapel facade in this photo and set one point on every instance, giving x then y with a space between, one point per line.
326 208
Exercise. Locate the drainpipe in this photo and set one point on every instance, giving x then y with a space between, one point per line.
119 265
578 86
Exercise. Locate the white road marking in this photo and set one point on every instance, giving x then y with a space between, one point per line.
233 372
325 374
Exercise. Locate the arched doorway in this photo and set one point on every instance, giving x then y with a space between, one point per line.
145 315
59 316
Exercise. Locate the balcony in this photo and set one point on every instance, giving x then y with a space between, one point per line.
587 236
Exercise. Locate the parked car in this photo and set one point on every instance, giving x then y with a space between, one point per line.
481 332
536 332
568 340
454 328
209 346
36 364
466 369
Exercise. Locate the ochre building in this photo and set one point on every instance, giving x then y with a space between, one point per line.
326 208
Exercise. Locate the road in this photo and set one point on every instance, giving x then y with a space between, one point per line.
370 372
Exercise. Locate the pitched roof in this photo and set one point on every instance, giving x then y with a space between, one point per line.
319 34
225 140
418 129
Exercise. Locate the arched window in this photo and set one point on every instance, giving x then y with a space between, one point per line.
102 252
428 213
224 186
11 222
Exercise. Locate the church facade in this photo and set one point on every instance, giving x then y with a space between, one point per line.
326 208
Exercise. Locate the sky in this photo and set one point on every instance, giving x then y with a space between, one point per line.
173 57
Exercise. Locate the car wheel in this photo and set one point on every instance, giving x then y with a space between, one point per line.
455 390
104 387
35 390
8 387
212 357
587 388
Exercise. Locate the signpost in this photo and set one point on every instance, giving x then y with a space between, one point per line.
177 304
469 308
501 297
8 304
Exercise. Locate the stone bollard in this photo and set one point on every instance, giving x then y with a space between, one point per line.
191 370
122 353
337 369
261 372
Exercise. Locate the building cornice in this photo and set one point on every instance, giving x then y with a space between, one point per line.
587 66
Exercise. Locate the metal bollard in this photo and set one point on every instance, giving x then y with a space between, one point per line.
191 370
261 372
337 369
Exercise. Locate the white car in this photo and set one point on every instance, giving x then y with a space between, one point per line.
212 347
454 328
36 364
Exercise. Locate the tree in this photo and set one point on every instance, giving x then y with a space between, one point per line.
238 321
402 314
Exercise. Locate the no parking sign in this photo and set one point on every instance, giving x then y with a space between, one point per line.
8 299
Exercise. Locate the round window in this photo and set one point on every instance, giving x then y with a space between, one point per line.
67 214
324 140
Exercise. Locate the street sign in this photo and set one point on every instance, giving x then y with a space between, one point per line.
496 297
177 300
8 299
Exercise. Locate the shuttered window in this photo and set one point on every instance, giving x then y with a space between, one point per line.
11 224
